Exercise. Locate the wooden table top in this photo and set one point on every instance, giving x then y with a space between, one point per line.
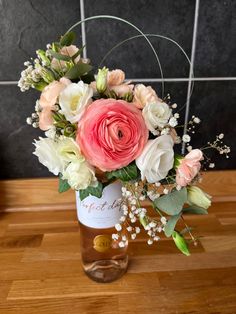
40 269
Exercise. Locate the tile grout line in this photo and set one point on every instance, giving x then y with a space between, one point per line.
195 27
176 79
83 32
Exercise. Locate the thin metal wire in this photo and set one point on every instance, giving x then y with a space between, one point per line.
162 37
130 24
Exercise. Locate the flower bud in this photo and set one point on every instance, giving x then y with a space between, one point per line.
42 55
180 243
101 80
197 197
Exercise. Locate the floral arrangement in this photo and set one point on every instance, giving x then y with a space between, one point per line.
101 128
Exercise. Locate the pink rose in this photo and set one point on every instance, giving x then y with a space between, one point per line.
45 119
51 92
66 51
115 82
189 167
47 101
122 89
111 134
144 95
115 77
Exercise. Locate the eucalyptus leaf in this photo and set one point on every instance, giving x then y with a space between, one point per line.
180 243
172 203
170 226
195 210
127 173
94 191
78 70
63 185
59 56
67 39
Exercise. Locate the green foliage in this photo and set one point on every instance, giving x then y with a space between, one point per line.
94 191
40 85
59 56
78 70
195 210
177 159
170 226
180 243
172 203
127 173
67 39
63 185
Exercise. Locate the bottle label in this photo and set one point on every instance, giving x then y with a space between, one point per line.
102 212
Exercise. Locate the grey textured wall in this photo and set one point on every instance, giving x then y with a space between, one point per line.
205 28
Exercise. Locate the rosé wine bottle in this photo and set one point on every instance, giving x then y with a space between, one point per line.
102 258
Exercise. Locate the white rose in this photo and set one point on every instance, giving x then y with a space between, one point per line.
156 115
156 159
80 175
47 153
74 99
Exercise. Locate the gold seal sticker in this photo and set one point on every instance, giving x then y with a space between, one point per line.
102 243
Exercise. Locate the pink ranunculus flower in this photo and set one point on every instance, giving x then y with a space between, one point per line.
111 134
189 167
144 95
47 101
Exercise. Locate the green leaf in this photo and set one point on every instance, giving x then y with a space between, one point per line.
63 185
127 173
59 56
172 203
67 39
94 191
195 210
180 243
78 70
170 226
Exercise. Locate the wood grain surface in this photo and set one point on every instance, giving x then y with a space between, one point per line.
41 194
41 273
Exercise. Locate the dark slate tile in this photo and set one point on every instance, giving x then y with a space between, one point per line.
27 25
214 103
165 17
215 48
16 136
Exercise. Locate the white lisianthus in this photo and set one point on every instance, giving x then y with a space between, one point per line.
69 150
156 159
156 115
197 197
47 153
74 99
80 175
